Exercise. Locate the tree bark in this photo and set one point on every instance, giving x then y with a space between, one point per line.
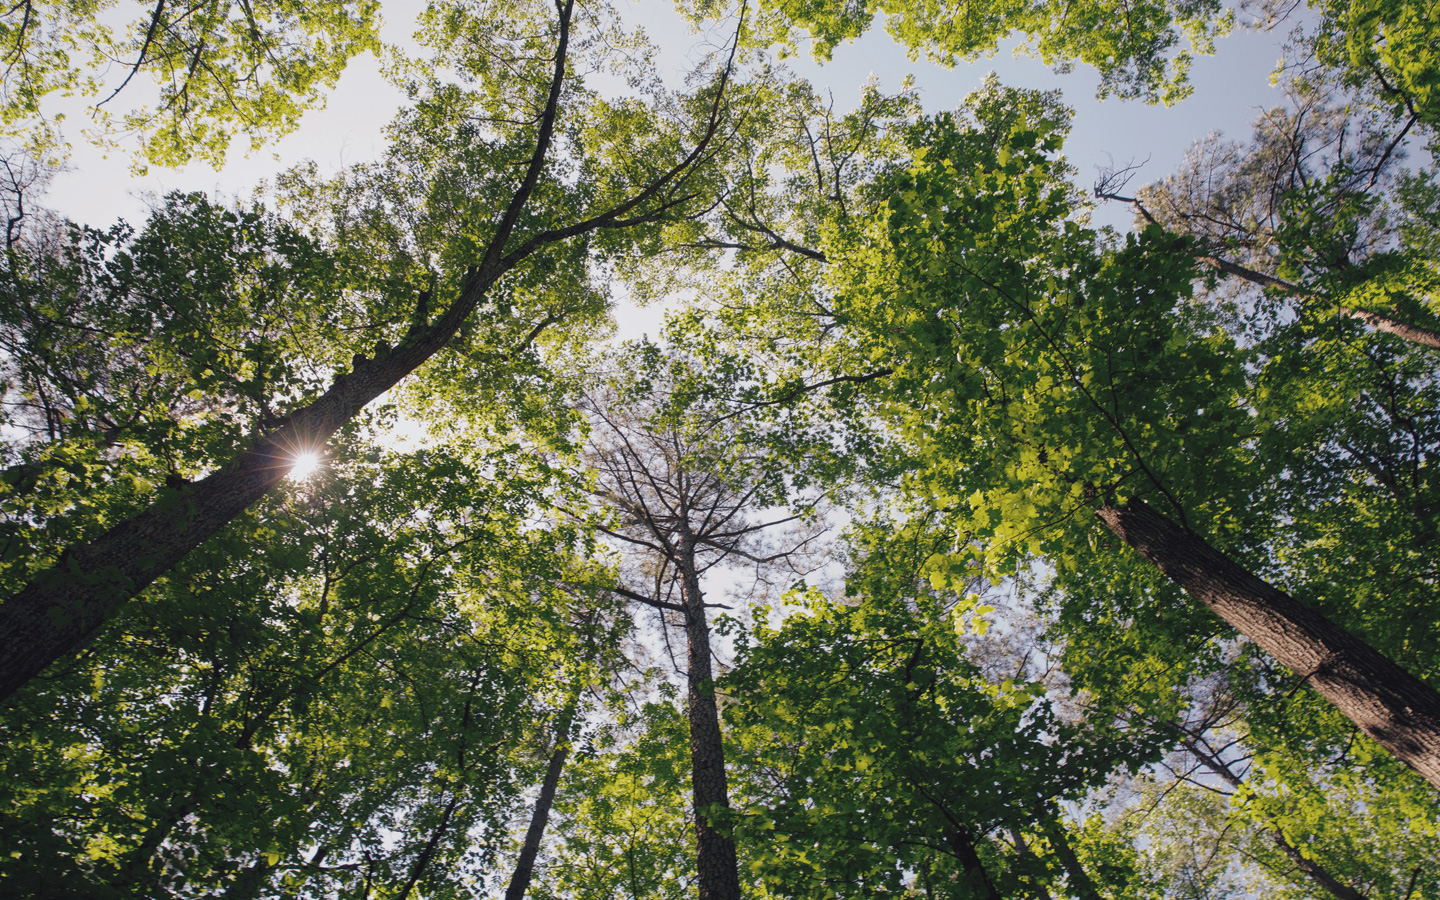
1396 709
1408 331
1381 322
1037 888
63 608
717 864
427 853
530 849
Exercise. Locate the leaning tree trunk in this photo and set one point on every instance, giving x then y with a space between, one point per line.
718 868
1396 709
64 607
1078 879
1408 331
530 849
1310 867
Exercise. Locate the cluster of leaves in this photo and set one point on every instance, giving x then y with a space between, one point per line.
359 703
349 689
874 754
222 68
1132 45
131 358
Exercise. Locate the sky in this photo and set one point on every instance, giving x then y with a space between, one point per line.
1230 89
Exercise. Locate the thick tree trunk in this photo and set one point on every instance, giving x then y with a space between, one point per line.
1393 707
63 608
718 868
530 849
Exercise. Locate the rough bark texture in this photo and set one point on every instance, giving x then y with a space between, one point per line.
1393 707
1412 333
530 849
1415 334
718 868
62 609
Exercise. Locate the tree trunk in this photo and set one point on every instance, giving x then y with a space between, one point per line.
962 844
1079 880
530 849
63 608
422 862
1393 707
1405 330
1408 331
718 868
1023 848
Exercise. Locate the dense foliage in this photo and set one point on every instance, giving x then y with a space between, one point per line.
943 545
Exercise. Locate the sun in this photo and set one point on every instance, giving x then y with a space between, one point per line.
305 466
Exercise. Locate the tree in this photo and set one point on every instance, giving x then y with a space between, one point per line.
1132 46
625 829
687 500
1069 375
1301 212
877 754
1037 372
541 229
364 717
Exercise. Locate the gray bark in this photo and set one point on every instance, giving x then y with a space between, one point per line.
1396 709
717 864
540 816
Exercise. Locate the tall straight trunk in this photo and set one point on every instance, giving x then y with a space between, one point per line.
717 865
1396 709
540 816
